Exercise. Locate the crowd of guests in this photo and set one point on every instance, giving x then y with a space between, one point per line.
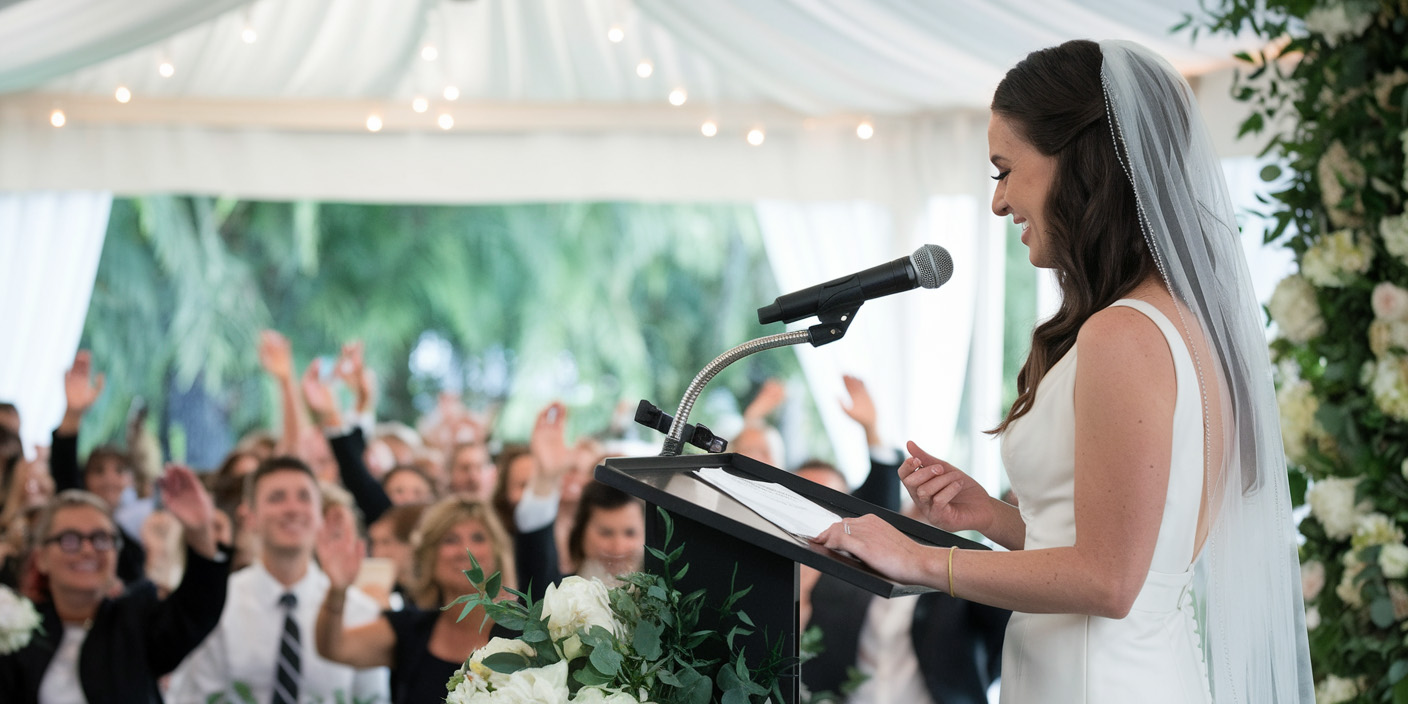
310 565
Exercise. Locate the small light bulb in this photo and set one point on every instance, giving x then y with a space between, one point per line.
249 35
123 95
865 130
373 123
756 136
445 121
452 93
57 119
616 34
709 128
644 69
420 104
166 69
429 52
678 96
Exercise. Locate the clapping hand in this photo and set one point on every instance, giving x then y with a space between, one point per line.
943 494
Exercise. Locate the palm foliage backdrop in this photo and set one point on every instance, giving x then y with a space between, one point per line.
509 306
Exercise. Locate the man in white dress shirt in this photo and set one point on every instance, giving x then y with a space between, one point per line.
253 649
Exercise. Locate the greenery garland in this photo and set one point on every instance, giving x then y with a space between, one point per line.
1335 72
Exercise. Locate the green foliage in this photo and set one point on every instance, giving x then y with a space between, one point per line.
592 303
1335 72
659 650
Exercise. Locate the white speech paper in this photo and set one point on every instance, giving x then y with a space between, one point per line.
781 506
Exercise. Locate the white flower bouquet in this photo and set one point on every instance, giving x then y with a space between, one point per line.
640 643
18 621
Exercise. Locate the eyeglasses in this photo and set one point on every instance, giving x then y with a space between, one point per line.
72 540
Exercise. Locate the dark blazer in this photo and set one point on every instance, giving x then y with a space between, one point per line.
365 489
134 639
958 643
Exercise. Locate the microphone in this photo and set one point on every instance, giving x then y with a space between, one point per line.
930 267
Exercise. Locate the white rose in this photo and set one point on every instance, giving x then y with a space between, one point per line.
578 604
494 646
1388 384
1298 405
1312 618
1394 231
470 690
1295 311
1332 503
1390 302
1334 259
1384 85
535 685
1375 529
1333 690
1312 579
1393 560
18 619
1348 588
1388 337
596 695
1339 21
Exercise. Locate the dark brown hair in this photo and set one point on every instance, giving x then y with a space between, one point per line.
507 456
1055 101
595 496
283 463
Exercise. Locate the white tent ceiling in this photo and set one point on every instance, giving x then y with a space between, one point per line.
548 106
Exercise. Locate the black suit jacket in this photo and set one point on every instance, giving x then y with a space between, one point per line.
958 643
134 639
63 467
366 491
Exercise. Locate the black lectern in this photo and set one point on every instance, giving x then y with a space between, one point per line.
718 533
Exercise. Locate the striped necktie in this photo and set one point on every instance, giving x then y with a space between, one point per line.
287 676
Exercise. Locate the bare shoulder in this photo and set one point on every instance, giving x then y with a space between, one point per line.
1126 350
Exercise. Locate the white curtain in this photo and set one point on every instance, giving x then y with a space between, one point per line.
49 248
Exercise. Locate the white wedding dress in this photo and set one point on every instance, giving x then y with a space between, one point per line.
1153 654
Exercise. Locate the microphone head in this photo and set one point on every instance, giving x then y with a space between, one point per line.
933 265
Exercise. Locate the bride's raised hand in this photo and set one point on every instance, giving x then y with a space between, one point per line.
944 495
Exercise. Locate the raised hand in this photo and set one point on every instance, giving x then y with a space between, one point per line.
352 371
185 498
319 397
943 494
769 398
340 551
862 407
548 445
81 388
276 355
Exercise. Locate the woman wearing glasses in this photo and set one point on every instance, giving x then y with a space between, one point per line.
98 645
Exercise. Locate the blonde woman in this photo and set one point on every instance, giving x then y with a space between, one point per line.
422 648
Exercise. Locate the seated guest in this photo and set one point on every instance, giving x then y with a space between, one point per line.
107 473
423 647
264 640
406 484
471 470
96 647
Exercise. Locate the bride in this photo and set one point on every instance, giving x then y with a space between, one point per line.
1153 555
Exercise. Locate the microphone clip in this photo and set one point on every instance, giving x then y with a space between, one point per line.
648 415
833 325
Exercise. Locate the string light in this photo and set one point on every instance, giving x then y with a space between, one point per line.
756 136
452 93
445 121
678 96
123 95
373 123
644 69
709 128
865 130
166 69
57 118
420 104
429 52
249 35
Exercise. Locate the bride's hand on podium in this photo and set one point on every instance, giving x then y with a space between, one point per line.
881 546
944 495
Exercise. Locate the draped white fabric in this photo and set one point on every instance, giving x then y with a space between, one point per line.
49 248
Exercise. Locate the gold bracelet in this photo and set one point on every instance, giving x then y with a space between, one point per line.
950 569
